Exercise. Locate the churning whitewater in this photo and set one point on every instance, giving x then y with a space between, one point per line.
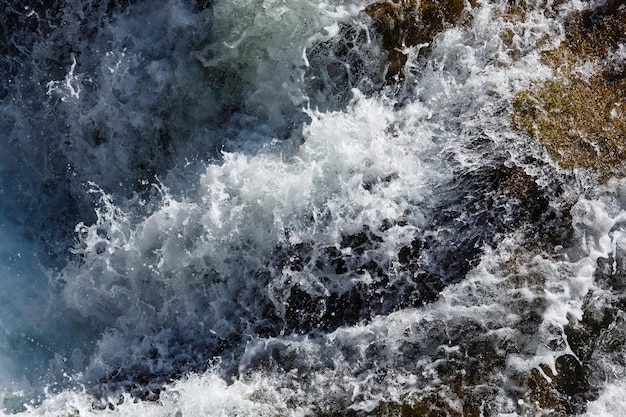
301 208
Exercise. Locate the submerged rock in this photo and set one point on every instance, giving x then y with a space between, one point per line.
350 60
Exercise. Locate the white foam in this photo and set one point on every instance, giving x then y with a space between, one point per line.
194 396
611 402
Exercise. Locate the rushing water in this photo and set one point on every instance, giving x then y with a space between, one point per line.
224 209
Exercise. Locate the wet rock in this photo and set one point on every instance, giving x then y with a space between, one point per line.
358 282
564 393
581 123
593 34
600 337
431 406
303 310
499 199
351 59
581 119
596 340
306 312
407 23
464 382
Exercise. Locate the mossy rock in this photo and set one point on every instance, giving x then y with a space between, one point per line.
407 23
591 35
581 123
581 120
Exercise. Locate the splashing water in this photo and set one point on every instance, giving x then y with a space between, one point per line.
224 208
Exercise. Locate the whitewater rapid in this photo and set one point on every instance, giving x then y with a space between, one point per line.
223 208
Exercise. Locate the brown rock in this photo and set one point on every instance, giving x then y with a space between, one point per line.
581 120
406 23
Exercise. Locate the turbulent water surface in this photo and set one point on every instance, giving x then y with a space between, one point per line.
237 208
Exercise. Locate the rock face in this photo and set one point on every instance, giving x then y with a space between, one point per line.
581 123
580 117
406 23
